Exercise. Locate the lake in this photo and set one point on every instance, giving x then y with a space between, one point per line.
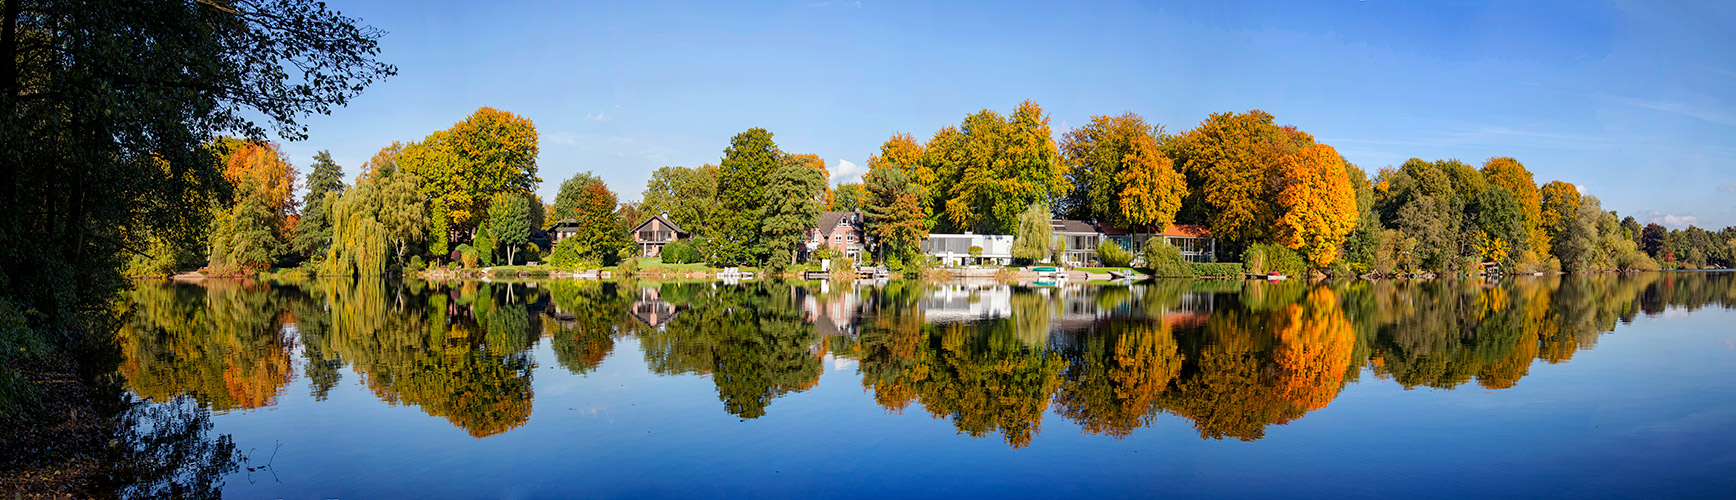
1582 386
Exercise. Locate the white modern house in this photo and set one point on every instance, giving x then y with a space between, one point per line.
954 249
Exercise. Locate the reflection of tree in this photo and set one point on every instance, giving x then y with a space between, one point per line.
464 360
1117 373
749 338
983 376
587 316
164 450
1226 390
223 344
1314 348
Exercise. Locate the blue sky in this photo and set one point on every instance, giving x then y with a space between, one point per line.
1635 103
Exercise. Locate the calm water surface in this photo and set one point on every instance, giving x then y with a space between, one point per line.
1600 386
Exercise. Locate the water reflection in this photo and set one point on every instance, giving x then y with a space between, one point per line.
1233 358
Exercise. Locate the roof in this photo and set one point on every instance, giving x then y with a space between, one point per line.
1187 231
665 220
829 220
1071 226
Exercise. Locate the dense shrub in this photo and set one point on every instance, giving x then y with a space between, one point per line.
1217 269
680 252
1263 258
568 255
1165 260
1113 255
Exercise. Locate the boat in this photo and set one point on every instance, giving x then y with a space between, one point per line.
1276 276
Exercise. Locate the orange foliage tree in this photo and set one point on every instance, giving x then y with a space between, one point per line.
1228 160
1317 203
262 167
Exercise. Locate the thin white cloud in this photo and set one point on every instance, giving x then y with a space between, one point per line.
561 137
599 117
1674 220
1728 188
1702 112
847 5
1581 188
846 171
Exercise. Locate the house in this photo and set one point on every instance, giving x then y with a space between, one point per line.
655 232
839 230
1195 242
562 230
1076 241
954 249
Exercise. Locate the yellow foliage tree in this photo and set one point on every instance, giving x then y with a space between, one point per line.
1559 200
1509 173
1151 189
1317 203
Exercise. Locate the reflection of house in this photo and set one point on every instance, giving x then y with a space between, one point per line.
651 310
838 230
655 232
957 303
954 249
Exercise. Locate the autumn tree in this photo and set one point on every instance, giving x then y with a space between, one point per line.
902 153
999 166
1228 160
893 212
1120 175
747 164
591 206
1509 173
261 166
462 167
1316 204
791 207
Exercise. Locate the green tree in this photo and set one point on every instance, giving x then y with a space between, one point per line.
244 239
401 211
314 232
509 222
847 197
1498 217
791 207
747 165
687 195
1035 235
